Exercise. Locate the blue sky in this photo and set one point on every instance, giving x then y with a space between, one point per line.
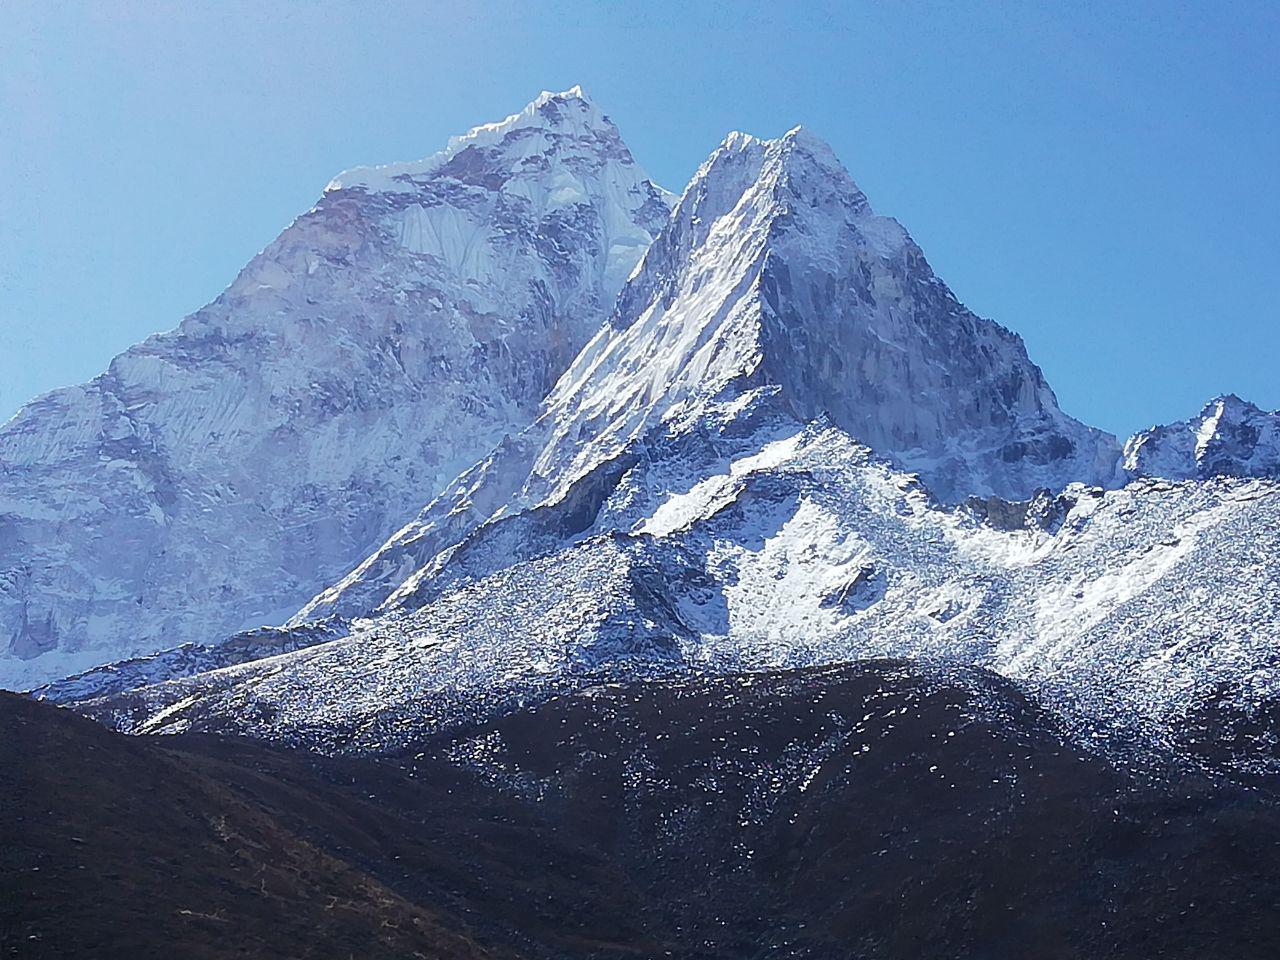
1100 177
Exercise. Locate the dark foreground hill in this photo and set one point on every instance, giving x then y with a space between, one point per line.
119 847
877 810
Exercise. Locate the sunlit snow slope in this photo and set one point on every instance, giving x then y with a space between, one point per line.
217 476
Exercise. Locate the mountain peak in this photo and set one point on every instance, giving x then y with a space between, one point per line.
573 93
797 177
798 135
775 271
566 113
1229 437
381 344
1229 404
802 137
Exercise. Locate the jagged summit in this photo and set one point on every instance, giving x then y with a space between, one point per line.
1229 437
774 269
557 154
567 113
740 199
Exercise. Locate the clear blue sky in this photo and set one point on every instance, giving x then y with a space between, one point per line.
1101 177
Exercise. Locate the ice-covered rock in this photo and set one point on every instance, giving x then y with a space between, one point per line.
1230 437
217 476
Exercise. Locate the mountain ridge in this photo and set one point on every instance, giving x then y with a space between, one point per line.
219 474
1229 437
702 314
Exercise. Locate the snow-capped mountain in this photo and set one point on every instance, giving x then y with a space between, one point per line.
217 476
756 465
1230 437
748 541
773 270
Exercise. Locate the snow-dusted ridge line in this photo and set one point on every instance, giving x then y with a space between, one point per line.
391 177
1136 608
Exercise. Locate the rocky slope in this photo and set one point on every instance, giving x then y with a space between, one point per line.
883 810
1230 437
217 476
115 848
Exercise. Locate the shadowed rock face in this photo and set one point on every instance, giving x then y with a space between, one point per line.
878 810
217 476
885 810
1045 511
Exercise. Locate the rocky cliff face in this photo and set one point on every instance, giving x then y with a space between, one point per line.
1230 437
217 476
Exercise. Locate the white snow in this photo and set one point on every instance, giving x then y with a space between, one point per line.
397 177
382 343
